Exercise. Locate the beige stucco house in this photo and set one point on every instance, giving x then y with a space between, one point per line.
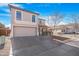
67 28
71 28
24 22
27 23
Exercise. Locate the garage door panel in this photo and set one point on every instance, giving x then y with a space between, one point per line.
24 31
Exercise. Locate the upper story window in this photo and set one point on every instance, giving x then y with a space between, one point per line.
18 15
33 18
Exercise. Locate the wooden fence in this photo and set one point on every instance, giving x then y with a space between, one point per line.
5 31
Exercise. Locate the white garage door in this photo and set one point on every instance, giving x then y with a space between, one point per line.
24 31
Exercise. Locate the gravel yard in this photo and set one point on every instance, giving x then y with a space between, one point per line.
6 50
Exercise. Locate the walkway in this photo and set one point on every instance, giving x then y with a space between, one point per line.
5 51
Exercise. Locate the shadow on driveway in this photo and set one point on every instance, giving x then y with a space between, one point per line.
41 46
2 46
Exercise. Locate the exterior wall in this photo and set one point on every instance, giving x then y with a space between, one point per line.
26 17
29 16
12 20
26 20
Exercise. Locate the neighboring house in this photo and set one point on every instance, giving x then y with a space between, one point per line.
24 22
57 29
71 28
68 28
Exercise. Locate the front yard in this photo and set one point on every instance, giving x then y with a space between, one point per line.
69 39
59 45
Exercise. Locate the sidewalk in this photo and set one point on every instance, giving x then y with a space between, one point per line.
6 49
73 41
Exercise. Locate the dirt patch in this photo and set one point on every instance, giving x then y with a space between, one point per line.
60 38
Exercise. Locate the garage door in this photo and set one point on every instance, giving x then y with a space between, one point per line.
24 31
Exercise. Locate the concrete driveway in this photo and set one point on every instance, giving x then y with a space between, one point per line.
44 46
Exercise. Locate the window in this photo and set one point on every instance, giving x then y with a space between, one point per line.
18 15
33 18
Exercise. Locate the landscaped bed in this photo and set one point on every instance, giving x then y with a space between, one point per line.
60 38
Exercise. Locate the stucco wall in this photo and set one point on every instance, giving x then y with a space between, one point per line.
26 17
26 20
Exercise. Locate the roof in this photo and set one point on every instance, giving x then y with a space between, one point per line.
11 6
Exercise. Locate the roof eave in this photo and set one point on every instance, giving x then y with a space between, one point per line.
11 6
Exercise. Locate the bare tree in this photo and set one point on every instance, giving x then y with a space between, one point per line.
56 18
75 21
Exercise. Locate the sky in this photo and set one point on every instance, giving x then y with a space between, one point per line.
44 9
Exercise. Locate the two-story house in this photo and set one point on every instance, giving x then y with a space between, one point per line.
24 22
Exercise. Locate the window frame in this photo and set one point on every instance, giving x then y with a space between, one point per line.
33 18
17 17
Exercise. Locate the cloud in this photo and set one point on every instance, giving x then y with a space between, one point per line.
8 25
6 4
5 15
44 17
17 5
4 7
62 23
3 4
5 10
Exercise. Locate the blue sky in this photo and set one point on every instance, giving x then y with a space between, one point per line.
44 9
